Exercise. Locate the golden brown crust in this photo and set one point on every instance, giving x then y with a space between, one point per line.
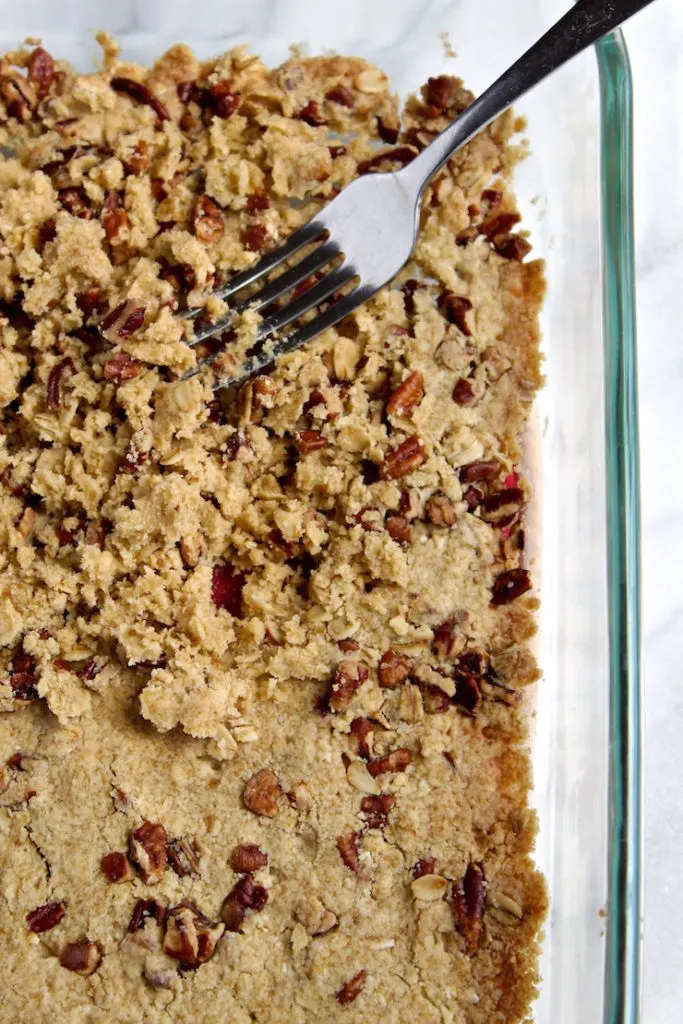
196 590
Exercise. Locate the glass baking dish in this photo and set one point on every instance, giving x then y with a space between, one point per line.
575 192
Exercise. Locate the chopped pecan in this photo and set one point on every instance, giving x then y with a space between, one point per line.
310 441
499 224
440 510
510 585
434 700
144 909
473 497
23 686
247 857
424 866
83 957
140 93
148 851
396 761
46 917
361 730
19 95
349 676
340 94
512 247
183 857
208 220
191 937
243 896
348 646
122 367
455 308
257 201
463 392
227 585
76 202
41 70
348 851
446 638
407 395
261 793
409 288
255 237
138 161
47 232
387 131
114 217
312 114
482 469
398 528
351 989
116 867
405 459
445 92
236 442
401 155
502 508
467 693
224 101
54 382
469 901
376 809
393 669
123 321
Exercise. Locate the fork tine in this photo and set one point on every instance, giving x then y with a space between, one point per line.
292 277
305 234
336 312
311 298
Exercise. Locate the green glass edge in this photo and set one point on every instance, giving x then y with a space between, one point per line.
622 999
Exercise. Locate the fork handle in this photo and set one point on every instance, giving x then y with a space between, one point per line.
583 25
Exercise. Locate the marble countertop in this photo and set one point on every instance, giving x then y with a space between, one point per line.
655 40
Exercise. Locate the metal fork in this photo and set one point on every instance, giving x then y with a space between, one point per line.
373 223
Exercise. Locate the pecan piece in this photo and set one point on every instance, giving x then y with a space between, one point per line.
44 918
351 989
440 510
405 459
114 217
183 857
225 102
75 201
116 867
376 809
255 237
138 161
41 70
455 308
123 321
257 201
361 730
434 700
401 155
467 694
144 909
396 761
482 469
502 508
226 589
469 900
499 224
509 585
398 528
148 851
208 220
247 857
393 669
463 392
348 851
140 93
342 95
310 441
54 382
424 866
349 676
122 367
83 957
261 793
312 114
407 395
446 639
243 896
512 247
191 937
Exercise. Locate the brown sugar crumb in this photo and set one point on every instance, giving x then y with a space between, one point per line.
263 650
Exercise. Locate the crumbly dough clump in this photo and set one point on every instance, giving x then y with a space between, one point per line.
261 653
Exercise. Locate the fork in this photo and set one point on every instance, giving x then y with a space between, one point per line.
373 223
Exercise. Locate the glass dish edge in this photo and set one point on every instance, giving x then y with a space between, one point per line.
623 952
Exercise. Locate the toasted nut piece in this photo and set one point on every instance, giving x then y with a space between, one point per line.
44 918
148 851
247 858
191 937
348 851
183 857
360 778
440 510
393 669
407 395
82 957
429 888
404 459
261 792
397 761
352 989
117 867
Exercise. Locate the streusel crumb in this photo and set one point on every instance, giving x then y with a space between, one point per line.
262 654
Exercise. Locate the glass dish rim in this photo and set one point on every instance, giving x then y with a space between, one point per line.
623 950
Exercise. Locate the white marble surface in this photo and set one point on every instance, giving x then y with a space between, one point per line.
655 39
